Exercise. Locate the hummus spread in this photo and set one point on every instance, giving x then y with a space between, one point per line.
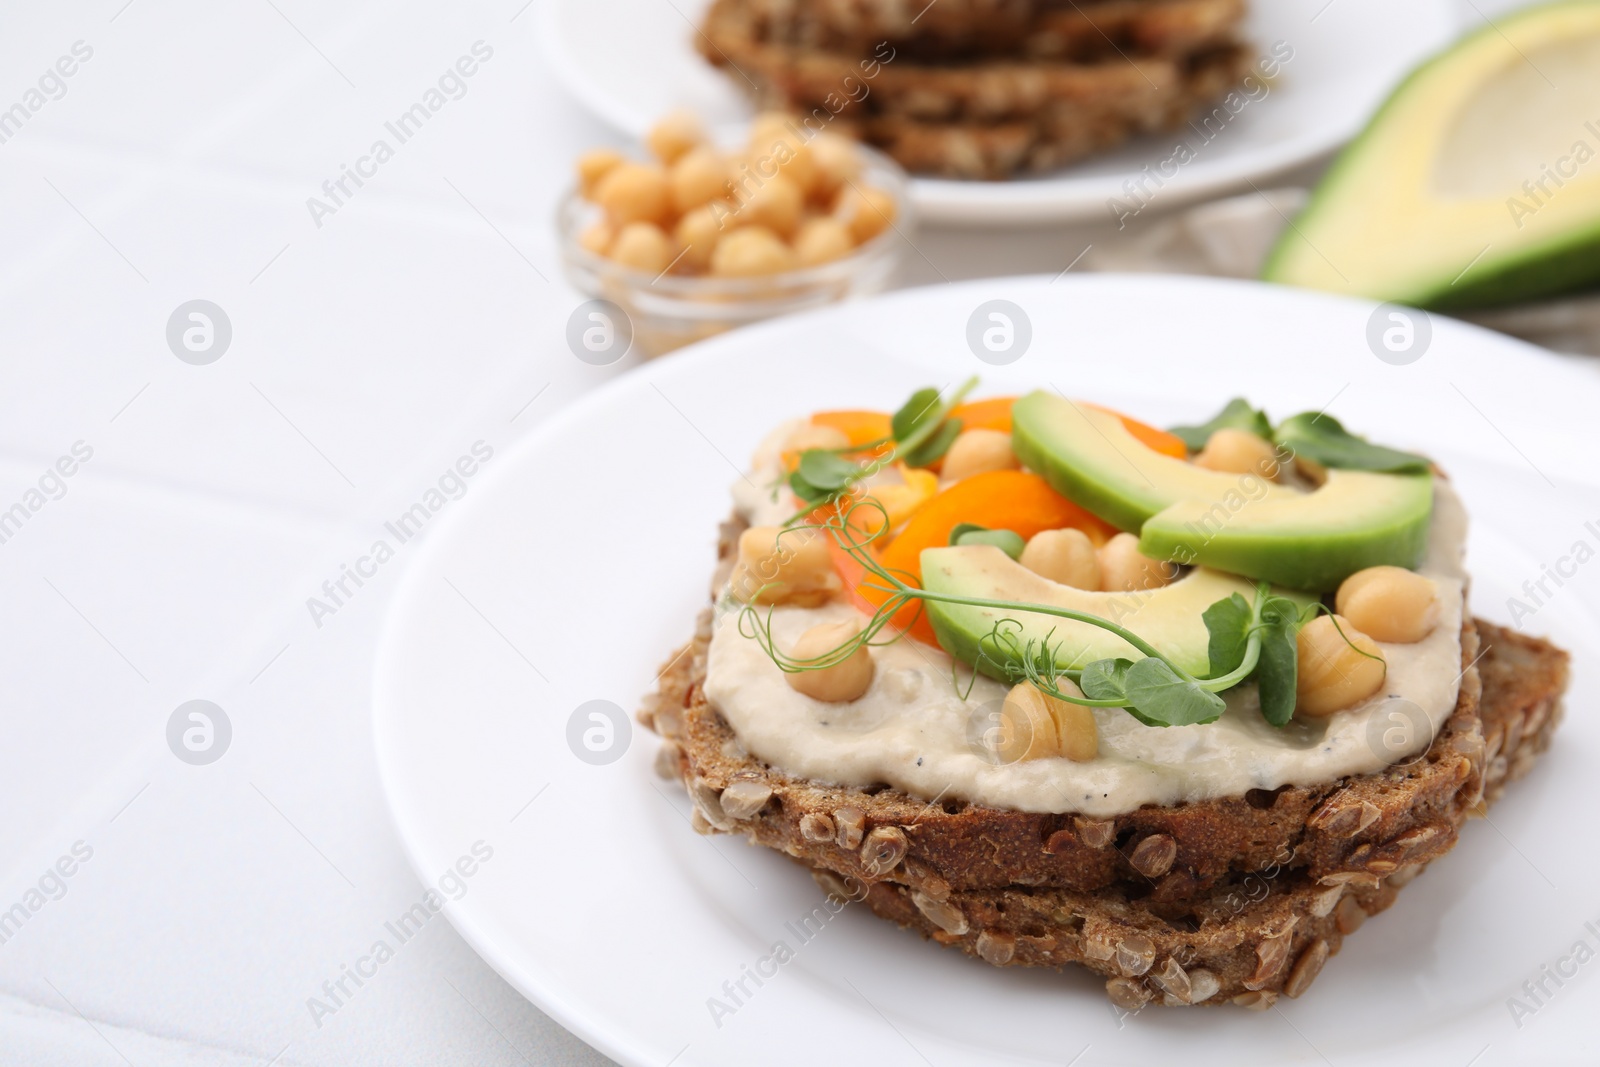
923 724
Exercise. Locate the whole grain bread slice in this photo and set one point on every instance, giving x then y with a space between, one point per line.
1245 937
1248 939
1144 91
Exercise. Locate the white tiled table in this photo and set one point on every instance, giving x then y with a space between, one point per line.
369 352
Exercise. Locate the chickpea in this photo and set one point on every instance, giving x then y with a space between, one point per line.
643 246
794 568
868 212
1034 725
1124 570
598 238
768 127
698 177
594 165
1064 556
1027 729
1080 738
822 240
775 204
1332 674
813 436
749 252
778 142
1389 604
838 164
698 232
675 136
634 192
843 681
977 451
1238 452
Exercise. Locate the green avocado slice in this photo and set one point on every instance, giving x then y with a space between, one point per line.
1169 616
1476 184
1357 519
1241 523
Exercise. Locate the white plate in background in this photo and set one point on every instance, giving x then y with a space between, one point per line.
576 566
631 61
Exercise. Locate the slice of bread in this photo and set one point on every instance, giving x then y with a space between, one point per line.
1244 897
1054 136
1251 937
1141 88
1256 931
988 118
954 30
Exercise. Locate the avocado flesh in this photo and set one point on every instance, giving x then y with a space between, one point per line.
1169 617
1357 519
1090 458
1240 523
1476 184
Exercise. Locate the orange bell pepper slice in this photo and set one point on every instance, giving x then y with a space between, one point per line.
995 414
1157 440
1000 500
859 427
991 414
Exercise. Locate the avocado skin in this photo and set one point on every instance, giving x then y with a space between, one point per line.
1310 563
1540 273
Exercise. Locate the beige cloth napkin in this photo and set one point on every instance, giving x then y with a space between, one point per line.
1231 238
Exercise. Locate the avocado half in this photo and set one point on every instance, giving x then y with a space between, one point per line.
1240 523
1476 184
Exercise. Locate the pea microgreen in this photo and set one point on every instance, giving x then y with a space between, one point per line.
1236 415
1008 541
921 432
1311 435
1322 438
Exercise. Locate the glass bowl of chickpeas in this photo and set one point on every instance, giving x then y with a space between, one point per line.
702 238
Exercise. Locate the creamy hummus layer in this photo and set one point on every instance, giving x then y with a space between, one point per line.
921 725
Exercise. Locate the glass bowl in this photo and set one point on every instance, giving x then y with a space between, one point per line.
672 310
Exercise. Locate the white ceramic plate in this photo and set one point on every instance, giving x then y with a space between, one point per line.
578 564
630 61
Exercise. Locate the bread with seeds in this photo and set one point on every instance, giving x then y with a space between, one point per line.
1256 929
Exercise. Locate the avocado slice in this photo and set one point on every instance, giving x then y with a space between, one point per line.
1315 540
1169 617
1476 184
1240 523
